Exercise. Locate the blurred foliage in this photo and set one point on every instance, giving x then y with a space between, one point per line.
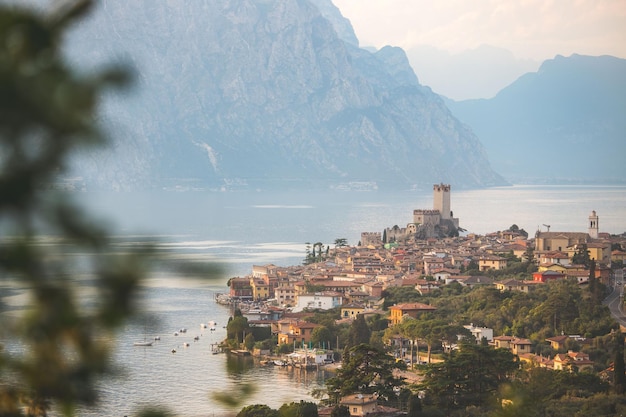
54 352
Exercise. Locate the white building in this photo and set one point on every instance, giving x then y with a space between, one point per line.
480 332
320 300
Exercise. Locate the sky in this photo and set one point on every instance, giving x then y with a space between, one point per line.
530 29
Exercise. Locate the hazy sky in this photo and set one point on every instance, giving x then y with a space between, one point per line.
535 29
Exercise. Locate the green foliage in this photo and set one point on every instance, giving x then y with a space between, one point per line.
619 378
257 410
340 411
539 392
248 341
341 242
415 406
260 333
284 348
470 376
359 332
236 328
400 295
581 256
312 288
322 336
317 252
300 409
47 112
546 311
377 322
365 369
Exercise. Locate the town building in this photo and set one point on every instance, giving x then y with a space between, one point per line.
399 311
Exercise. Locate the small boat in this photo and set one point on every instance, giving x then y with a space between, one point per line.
278 362
145 343
240 352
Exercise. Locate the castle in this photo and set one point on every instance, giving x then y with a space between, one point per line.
438 222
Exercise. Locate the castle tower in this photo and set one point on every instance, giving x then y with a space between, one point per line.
441 200
594 225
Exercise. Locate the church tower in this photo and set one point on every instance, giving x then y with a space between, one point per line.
594 225
441 200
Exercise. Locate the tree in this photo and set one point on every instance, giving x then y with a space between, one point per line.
248 341
47 112
619 378
359 332
581 257
237 327
340 411
365 369
309 257
470 376
415 406
321 336
257 410
301 409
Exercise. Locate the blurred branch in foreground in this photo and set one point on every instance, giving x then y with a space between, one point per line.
52 352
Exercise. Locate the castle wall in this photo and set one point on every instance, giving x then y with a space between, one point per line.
371 239
426 217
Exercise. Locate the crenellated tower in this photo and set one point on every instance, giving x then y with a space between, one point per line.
441 200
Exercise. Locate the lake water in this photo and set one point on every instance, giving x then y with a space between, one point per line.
243 229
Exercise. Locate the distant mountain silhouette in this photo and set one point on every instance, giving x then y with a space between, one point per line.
563 123
266 93
476 73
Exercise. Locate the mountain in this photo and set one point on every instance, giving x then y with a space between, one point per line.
563 123
476 73
265 93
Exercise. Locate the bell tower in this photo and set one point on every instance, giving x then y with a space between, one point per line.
594 225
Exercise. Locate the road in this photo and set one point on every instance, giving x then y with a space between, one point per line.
614 301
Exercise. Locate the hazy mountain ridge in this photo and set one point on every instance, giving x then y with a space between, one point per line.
243 92
479 72
563 123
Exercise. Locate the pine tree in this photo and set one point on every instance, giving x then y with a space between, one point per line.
359 332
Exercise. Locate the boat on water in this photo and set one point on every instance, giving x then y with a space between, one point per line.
240 352
144 343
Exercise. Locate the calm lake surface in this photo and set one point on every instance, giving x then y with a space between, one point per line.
242 229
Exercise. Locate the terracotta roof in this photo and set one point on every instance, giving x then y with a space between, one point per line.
413 306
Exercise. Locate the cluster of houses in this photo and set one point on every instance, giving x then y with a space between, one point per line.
359 274
521 347
353 278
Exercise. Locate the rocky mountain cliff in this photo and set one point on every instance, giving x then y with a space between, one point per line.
265 93
564 123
